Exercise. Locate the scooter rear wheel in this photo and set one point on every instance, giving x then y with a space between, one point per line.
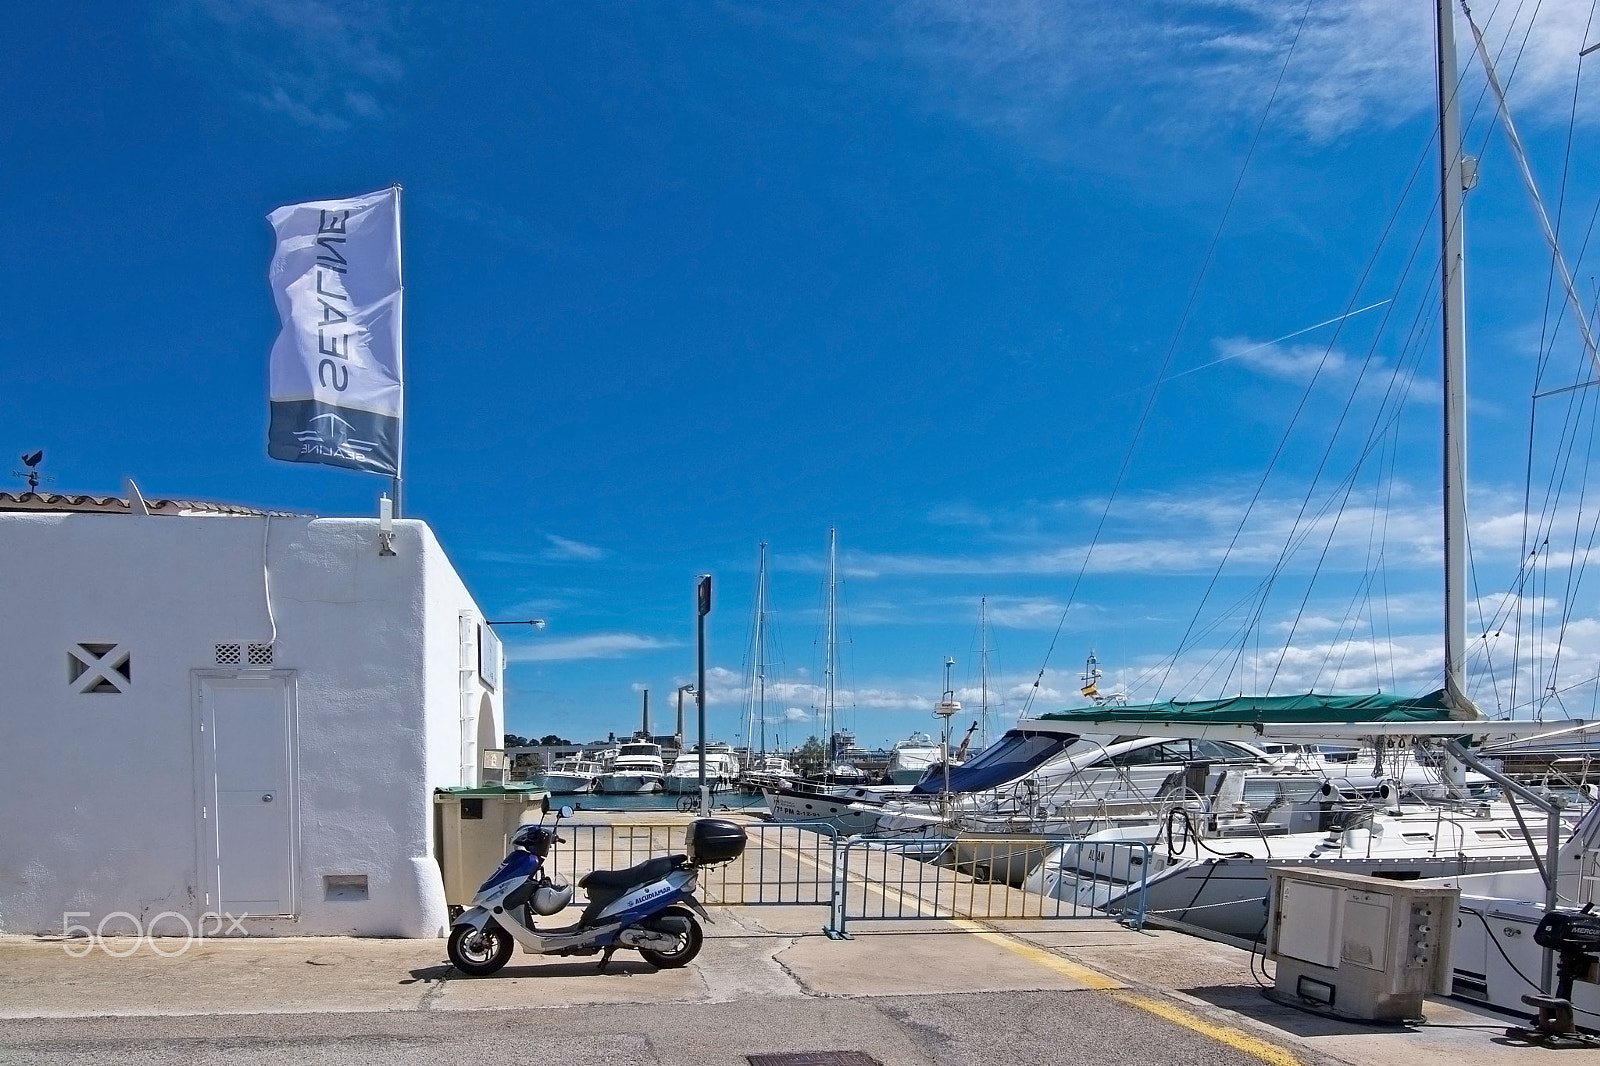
680 922
478 954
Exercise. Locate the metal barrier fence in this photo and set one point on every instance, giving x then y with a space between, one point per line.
884 878
784 863
982 877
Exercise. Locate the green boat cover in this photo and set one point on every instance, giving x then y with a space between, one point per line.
1279 710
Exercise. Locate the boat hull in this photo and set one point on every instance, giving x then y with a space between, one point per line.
558 784
1001 858
1228 896
628 784
690 786
845 815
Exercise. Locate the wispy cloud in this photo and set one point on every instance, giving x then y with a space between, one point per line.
591 646
563 548
319 64
1040 69
1303 364
557 550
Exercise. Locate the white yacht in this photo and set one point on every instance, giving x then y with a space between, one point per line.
1216 878
722 771
912 758
1493 956
573 775
768 771
638 768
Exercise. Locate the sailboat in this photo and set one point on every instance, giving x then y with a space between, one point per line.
826 796
762 769
1216 879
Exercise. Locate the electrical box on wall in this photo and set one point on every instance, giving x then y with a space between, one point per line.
1360 947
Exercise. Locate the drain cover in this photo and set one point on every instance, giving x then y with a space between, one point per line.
814 1058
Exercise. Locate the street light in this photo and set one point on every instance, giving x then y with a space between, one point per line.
703 606
681 690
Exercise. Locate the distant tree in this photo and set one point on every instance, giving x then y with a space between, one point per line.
551 740
812 756
514 741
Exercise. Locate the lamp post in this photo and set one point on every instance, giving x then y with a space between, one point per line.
703 604
681 690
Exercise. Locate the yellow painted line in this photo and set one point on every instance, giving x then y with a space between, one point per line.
1234 1038
1237 1039
1264 1050
1033 953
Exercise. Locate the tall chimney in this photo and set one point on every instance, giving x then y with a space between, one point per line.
646 726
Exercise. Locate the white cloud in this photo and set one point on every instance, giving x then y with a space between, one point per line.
592 646
1303 364
322 65
563 548
559 550
1038 69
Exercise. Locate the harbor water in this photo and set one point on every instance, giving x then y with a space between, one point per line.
730 800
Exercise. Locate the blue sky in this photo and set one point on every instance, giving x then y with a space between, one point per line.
686 277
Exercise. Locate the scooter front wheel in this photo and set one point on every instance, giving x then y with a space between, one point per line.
679 922
479 953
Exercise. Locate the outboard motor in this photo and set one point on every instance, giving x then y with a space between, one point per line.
1575 937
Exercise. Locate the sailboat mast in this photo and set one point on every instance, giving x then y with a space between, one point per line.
830 627
1452 185
983 672
761 647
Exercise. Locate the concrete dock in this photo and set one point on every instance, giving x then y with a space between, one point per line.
768 981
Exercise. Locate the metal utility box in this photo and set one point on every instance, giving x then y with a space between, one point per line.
1361 947
472 833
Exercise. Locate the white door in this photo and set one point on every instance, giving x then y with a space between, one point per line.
247 801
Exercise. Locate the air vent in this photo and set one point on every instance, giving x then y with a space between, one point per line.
99 668
244 654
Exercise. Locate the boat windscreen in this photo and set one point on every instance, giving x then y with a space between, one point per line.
1017 753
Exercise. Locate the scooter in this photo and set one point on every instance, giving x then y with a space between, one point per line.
649 907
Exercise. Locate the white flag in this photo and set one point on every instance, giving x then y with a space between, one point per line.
335 386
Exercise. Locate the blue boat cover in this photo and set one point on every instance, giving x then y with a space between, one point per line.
1019 752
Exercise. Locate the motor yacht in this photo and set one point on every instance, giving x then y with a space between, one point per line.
637 768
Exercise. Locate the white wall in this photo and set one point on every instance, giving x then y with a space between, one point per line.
98 792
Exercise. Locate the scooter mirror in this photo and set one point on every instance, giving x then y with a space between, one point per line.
565 812
544 803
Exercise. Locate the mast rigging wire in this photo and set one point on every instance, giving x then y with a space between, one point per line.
1183 321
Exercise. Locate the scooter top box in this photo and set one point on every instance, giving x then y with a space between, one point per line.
714 840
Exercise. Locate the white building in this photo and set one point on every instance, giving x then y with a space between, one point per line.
210 710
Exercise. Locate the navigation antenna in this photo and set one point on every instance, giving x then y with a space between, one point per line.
32 473
947 708
1091 685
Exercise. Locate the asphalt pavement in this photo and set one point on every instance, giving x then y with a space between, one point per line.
906 994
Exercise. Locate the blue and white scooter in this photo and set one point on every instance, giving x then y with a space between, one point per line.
649 907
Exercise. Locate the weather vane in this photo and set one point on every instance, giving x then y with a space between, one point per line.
32 473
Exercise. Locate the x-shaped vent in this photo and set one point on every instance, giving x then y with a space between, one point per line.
99 668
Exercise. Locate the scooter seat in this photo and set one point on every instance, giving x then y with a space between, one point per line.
645 872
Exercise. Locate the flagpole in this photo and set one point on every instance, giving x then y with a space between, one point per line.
400 361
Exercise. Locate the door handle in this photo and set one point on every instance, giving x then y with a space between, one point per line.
266 797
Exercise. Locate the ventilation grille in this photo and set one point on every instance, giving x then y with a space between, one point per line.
244 654
102 668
